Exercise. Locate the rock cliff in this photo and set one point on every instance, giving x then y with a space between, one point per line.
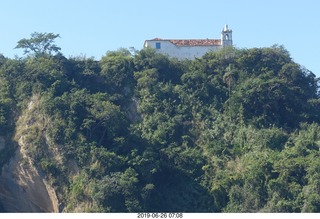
23 186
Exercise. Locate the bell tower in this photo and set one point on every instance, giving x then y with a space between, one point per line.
226 36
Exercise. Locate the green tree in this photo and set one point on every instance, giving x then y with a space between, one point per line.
39 44
117 192
117 68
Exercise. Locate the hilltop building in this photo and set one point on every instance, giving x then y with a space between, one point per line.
190 48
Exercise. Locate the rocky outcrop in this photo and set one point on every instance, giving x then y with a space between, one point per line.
132 110
23 187
2 143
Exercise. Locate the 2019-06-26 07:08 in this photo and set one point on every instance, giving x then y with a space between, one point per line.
160 215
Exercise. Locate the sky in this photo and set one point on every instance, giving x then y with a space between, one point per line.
91 28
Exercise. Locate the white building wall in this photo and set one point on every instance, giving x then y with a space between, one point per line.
181 52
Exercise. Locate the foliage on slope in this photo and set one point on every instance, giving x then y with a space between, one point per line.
235 131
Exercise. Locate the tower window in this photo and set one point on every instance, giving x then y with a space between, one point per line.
158 45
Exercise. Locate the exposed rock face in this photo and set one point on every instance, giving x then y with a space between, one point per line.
132 110
23 188
2 143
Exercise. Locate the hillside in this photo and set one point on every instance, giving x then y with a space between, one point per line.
235 131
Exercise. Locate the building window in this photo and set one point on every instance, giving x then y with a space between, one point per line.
158 45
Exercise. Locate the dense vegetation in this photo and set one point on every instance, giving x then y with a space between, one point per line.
235 131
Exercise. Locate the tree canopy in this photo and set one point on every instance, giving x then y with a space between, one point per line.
39 44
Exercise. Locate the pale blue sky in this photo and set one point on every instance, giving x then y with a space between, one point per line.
93 27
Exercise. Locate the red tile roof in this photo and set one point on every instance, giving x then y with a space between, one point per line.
194 42
204 42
